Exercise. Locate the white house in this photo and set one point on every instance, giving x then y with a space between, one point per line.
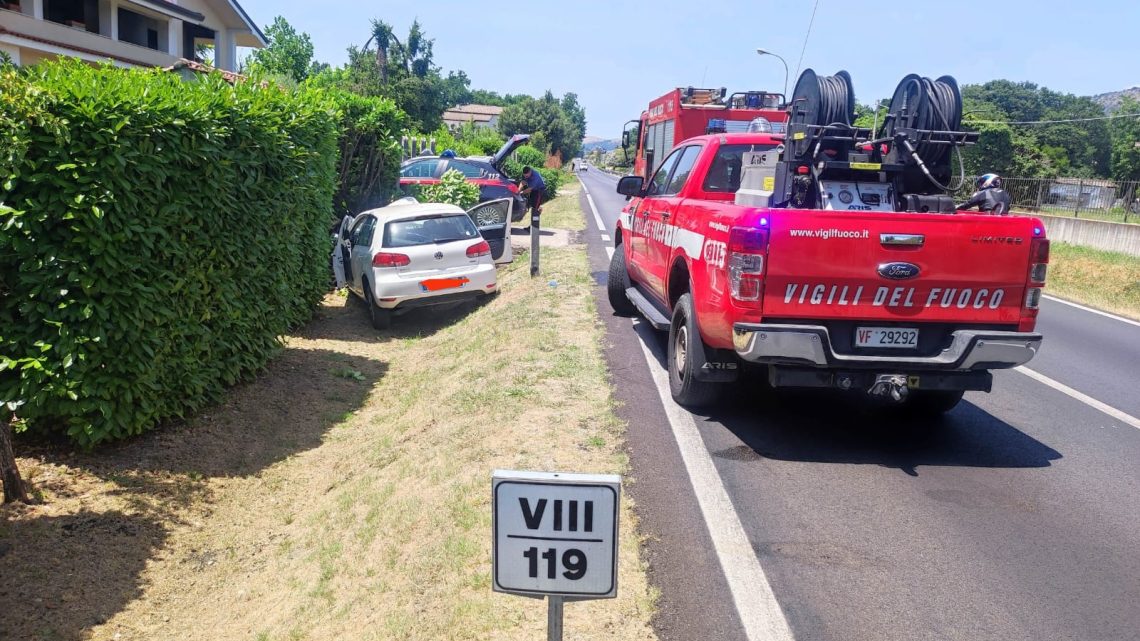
479 115
129 33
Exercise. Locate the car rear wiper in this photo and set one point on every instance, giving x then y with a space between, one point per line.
438 241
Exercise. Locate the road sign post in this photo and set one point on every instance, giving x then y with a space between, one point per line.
534 236
555 535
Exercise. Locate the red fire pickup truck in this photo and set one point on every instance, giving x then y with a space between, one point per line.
913 306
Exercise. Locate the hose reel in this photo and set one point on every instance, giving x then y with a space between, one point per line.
925 104
820 101
907 164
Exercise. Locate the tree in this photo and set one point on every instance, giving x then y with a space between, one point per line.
403 71
1044 148
289 53
557 126
1125 138
14 489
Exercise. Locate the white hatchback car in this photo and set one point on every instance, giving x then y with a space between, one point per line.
409 255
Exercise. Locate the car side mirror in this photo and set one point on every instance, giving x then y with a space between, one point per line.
631 186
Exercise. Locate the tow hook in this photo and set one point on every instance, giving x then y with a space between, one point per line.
891 386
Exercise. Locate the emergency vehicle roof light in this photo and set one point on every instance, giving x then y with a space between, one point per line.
760 126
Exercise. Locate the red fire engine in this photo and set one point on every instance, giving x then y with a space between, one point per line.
688 111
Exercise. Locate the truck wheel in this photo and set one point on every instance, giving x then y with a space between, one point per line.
381 318
618 283
930 403
683 383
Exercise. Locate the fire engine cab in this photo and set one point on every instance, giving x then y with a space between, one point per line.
688 111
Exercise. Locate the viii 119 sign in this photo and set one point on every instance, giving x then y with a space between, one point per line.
555 533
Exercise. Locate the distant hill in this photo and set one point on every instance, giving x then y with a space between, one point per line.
590 143
1111 101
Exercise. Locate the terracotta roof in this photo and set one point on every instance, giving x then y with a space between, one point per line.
491 110
450 116
198 67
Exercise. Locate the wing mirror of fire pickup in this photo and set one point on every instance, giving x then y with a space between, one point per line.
631 186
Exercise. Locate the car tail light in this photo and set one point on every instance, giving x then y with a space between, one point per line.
480 248
1038 269
390 259
747 250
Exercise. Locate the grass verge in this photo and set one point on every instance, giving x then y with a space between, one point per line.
1102 279
563 212
344 494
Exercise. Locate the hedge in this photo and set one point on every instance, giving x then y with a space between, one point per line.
369 168
156 238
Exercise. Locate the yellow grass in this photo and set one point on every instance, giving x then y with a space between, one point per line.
345 494
1106 280
563 212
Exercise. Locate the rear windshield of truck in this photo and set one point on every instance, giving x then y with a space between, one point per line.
427 230
724 173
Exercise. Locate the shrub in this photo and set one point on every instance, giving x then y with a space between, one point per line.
156 239
369 168
469 140
452 188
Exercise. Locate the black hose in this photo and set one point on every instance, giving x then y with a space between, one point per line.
834 100
824 100
932 105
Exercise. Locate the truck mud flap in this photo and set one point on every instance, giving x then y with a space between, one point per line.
719 365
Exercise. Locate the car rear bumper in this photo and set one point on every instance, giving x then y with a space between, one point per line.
396 291
811 345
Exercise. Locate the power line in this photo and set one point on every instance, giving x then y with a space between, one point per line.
806 36
1050 122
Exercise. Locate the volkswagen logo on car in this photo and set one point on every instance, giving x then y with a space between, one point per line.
439 255
898 271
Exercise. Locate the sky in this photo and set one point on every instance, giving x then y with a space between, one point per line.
619 55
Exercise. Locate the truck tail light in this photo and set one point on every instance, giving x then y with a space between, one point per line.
1033 298
747 252
1038 260
480 248
390 259
1034 281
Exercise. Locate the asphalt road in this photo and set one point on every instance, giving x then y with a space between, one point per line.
1016 517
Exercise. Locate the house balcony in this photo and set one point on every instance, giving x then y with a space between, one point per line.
46 38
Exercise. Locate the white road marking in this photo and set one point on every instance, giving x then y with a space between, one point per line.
606 237
756 604
1091 310
1127 419
594 209
609 252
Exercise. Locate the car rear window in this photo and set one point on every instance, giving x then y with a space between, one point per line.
724 172
469 170
427 230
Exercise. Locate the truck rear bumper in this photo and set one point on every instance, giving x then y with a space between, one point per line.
811 345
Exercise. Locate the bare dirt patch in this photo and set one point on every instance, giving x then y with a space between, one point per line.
344 494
